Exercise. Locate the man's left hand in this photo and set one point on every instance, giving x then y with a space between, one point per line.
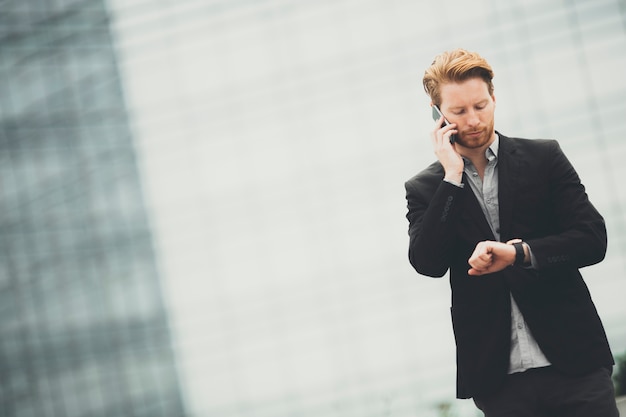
490 257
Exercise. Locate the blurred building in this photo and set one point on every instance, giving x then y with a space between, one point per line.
83 329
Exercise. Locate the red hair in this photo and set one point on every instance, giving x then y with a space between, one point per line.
455 66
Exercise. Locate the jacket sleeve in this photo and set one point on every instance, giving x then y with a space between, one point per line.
432 214
579 234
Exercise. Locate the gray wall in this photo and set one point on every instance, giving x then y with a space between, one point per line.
223 181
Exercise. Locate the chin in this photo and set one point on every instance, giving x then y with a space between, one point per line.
474 142
471 144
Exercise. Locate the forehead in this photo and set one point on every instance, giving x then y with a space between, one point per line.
463 93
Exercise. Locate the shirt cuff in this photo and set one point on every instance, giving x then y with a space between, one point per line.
458 184
533 260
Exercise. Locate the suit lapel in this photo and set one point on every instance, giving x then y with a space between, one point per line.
473 214
507 170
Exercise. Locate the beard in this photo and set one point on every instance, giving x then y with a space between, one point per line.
476 138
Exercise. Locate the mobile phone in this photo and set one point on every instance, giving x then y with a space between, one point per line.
437 115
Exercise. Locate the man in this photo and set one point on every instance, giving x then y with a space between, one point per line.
510 219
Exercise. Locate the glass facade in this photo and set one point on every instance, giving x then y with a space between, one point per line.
84 331
202 203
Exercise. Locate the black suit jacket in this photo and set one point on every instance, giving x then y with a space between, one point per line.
543 202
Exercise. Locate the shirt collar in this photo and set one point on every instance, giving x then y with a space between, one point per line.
492 151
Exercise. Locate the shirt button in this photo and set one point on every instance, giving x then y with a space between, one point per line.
520 326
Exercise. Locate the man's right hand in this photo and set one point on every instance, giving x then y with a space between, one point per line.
446 152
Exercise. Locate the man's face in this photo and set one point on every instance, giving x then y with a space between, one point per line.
472 108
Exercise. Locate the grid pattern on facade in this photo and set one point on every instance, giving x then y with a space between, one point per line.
84 330
276 136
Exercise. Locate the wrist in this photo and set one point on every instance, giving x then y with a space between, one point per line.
522 253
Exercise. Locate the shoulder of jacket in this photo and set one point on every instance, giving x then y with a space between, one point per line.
432 172
538 142
427 180
513 144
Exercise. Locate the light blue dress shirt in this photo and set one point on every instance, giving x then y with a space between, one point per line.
525 352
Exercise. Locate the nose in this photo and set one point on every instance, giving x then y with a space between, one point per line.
472 118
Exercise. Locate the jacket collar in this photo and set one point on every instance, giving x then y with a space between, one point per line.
508 169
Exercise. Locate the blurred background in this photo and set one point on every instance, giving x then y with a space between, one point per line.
202 202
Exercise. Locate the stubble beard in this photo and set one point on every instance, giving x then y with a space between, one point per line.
476 142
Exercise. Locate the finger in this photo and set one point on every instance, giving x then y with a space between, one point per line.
443 130
439 124
481 259
481 264
477 272
449 134
437 134
481 249
482 267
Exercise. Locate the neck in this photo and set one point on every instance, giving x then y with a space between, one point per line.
477 155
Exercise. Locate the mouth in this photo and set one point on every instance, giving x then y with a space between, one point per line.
474 134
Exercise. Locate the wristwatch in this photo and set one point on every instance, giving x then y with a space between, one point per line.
519 254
